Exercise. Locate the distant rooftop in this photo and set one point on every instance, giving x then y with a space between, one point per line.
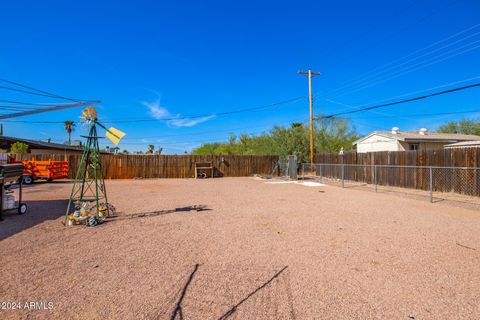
410 135
37 144
422 136
464 144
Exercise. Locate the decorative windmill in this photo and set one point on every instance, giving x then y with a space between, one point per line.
89 196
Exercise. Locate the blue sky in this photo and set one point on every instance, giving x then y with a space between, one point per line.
168 59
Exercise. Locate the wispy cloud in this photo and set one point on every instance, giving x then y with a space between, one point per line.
158 112
189 122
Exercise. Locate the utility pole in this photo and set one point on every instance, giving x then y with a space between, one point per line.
310 74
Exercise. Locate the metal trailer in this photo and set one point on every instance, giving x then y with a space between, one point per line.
11 176
48 170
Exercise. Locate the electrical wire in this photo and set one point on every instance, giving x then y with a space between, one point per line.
250 109
12 108
402 101
362 76
29 103
405 71
41 110
421 114
391 35
384 72
199 133
43 93
402 95
259 108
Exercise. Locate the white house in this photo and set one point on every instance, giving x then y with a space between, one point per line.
396 140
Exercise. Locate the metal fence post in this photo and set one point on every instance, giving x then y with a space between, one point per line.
375 176
431 185
343 176
321 177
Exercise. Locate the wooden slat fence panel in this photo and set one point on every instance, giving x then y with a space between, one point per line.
167 166
444 179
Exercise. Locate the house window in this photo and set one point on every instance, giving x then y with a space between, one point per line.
414 146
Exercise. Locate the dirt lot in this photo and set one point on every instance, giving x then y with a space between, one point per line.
256 251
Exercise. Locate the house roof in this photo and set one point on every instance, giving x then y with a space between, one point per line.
417 137
36 144
464 144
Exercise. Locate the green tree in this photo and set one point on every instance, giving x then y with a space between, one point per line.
333 134
330 136
159 150
463 127
19 148
207 149
69 127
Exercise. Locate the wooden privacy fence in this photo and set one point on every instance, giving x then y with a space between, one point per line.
465 157
167 166
449 170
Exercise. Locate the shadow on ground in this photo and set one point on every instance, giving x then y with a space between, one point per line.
231 312
178 310
196 208
50 183
38 212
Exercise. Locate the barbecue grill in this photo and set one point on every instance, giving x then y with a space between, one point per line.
11 176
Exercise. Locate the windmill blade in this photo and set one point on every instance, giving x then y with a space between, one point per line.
42 110
114 135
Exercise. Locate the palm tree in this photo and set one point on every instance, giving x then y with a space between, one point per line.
69 127
151 147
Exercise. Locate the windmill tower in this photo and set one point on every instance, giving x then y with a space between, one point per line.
89 194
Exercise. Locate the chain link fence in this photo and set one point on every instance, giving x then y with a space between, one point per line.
434 180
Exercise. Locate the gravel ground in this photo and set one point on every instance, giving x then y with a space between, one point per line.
255 251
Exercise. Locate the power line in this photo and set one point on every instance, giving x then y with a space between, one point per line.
200 133
384 71
362 76
36 111
405 94
42 92
251 109
358 107
245 128
29 103
416 67
391 35
12 108
399 96
25 91
259 108
221 140
402 101
18 109
421 114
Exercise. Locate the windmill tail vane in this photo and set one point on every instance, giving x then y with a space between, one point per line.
113 134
